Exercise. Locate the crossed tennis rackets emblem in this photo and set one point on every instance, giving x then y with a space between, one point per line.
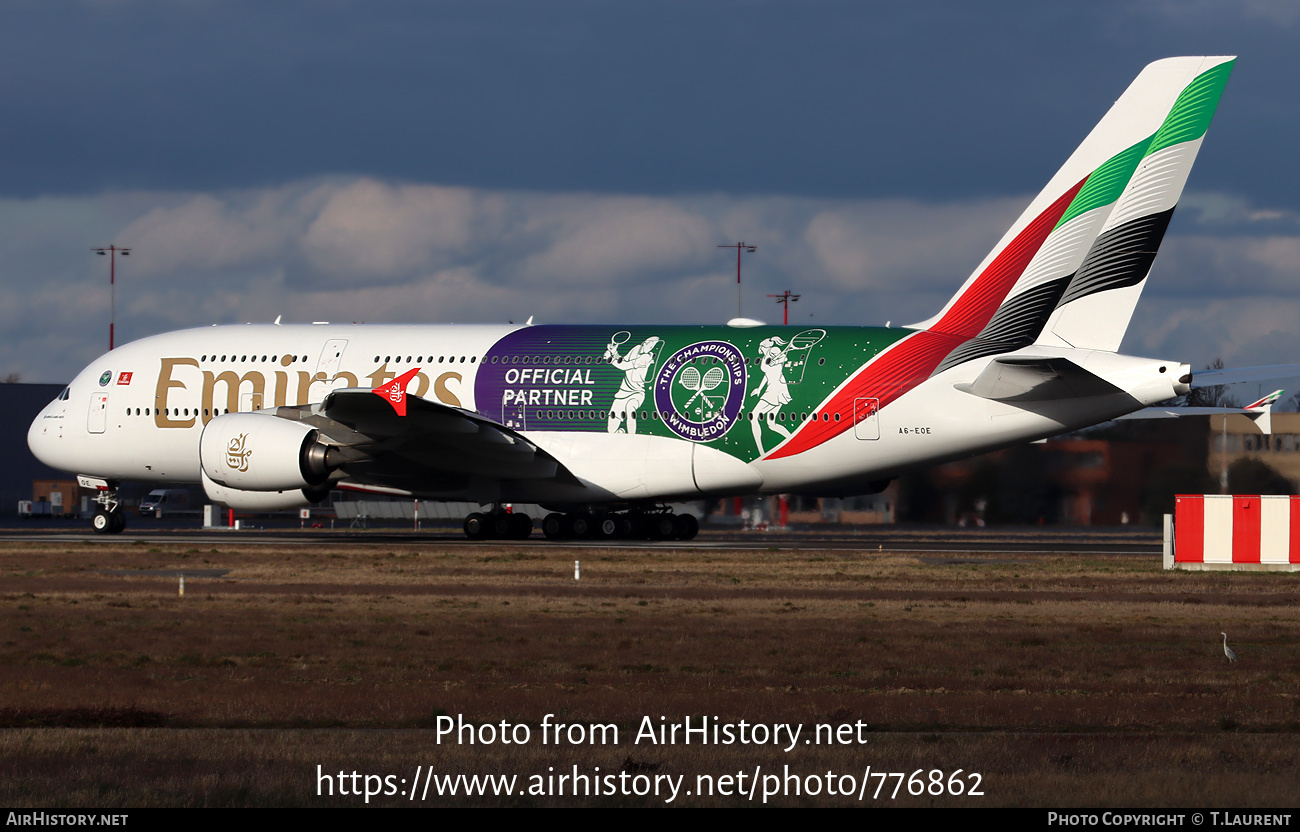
701 385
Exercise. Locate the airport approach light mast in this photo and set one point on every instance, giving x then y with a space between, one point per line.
739 247
785 299
112 252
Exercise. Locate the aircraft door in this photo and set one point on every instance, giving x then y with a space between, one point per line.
866 418
97 417
248 402
331 357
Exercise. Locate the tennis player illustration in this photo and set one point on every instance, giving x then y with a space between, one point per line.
773 389
636 366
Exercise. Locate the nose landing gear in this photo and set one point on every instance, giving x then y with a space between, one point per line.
109 517
108 521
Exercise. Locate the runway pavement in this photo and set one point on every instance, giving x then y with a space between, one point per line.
933 540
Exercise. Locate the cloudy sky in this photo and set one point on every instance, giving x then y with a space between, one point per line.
580 161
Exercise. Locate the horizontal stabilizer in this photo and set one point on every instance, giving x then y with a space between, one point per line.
1036 378
1260 412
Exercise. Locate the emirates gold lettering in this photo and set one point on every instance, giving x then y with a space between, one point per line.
281 388
305 381
161 408
234 383
442 393
216 401
381 376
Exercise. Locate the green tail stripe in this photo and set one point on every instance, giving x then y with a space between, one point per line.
1107 182
1190 117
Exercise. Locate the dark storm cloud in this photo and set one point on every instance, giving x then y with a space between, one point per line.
580 161
841 99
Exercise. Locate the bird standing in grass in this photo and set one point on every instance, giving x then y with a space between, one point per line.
1227 651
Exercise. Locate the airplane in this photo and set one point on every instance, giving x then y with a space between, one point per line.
605 425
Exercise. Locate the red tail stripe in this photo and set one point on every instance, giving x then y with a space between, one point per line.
912 360
976 305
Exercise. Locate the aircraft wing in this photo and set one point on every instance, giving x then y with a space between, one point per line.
432 447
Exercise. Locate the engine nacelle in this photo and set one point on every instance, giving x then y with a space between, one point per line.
261 452
260 500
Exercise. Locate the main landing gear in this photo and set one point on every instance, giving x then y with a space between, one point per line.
498 524
620 525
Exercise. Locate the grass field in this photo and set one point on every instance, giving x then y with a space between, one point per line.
1063 679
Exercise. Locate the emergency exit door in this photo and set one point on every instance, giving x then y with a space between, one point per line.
866 418
97 417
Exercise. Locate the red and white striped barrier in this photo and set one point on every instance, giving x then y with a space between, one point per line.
1236 529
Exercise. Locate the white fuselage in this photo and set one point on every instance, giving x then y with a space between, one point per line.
137 413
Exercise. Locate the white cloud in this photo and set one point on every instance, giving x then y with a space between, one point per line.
596 240
370 230
375 251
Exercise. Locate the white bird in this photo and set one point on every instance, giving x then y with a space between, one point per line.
1227 651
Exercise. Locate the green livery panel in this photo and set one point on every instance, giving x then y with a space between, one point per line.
740 390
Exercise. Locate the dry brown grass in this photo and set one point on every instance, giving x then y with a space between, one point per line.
1066 679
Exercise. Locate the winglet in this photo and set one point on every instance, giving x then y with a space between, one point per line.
1261 412
394 392
1267 400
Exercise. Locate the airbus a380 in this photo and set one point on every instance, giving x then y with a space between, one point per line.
607 424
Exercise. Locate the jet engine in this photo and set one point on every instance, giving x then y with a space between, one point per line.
261 500
260 452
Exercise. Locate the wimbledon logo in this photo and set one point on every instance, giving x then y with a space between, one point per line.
700 390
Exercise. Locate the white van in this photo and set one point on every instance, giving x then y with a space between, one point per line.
163 501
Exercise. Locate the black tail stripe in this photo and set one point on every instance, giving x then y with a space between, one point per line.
1017 323
1120 257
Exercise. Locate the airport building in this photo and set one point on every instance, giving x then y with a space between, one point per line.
1233 438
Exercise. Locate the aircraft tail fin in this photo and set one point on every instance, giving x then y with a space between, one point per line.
1070 270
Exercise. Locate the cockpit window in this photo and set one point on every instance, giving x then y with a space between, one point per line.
65 395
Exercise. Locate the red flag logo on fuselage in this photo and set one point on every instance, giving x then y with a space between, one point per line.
394 392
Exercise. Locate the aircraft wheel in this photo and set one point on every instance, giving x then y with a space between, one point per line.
626 527
102 522
553 526
118 520
501 526
521 526
664 526
607 527
687 526
476 526
580 525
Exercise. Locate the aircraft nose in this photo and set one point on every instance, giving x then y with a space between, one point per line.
42 437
